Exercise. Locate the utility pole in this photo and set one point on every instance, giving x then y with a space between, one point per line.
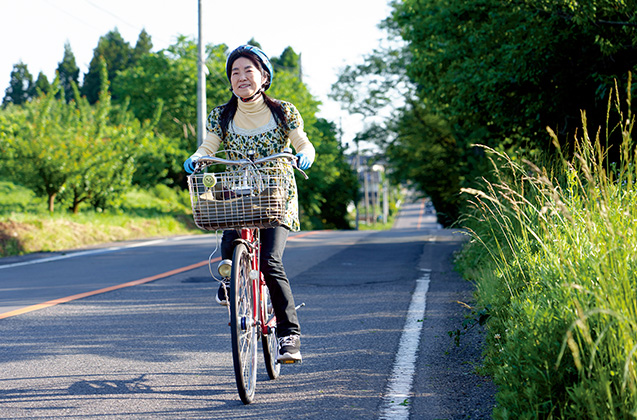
385 199
358 178
201 84
300 69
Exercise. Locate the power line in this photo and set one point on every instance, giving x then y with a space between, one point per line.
55 6
132 26
112 14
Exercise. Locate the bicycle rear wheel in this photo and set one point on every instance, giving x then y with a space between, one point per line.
243 324
268 340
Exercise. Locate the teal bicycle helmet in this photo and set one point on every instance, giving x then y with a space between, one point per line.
251 51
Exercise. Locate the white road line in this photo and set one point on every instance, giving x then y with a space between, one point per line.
396 400
83 253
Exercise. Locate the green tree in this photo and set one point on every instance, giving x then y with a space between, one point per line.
118 55
507 69
72 151
143 46
108 141
68 72
420 153
42 85
170 77
21 88
38 153
332 185
288 61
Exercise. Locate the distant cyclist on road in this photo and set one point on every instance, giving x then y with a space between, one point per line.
252 121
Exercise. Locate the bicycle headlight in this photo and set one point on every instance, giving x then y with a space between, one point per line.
225 268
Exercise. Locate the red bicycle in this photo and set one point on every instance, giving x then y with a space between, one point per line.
247 196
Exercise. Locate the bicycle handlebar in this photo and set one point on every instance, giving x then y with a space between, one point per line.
205 161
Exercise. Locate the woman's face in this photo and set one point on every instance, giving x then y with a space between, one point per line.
246 79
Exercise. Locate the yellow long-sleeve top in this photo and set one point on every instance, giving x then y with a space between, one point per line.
252 119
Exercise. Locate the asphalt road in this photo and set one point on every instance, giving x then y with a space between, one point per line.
159 348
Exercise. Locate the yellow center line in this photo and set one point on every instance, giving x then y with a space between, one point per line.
104 290
301 235
422 212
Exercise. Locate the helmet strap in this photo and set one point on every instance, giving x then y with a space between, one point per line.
248 99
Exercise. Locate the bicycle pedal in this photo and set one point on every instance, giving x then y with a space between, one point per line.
290 362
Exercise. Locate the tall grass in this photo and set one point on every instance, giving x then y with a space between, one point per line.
554 258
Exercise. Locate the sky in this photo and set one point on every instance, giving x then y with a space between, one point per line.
328 34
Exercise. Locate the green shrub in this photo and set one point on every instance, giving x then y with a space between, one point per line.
18 199
156 200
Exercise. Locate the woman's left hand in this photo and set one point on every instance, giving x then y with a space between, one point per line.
304 161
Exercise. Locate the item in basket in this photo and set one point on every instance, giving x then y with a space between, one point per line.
264 210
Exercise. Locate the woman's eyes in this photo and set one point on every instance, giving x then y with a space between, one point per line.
247 70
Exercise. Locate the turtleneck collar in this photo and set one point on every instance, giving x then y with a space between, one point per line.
253 107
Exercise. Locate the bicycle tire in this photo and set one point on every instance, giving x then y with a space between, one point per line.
269 342
242 324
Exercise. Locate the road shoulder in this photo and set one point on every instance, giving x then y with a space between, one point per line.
447 385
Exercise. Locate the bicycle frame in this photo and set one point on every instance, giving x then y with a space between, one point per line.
251 238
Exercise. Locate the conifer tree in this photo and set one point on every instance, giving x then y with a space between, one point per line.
42 85
21 86
116 53
143 46
68 72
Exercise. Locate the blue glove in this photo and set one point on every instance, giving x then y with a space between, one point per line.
189 165
304 162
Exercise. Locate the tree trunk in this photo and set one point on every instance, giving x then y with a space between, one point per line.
51 202
75 208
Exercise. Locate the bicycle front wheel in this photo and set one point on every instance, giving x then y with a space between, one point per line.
243 324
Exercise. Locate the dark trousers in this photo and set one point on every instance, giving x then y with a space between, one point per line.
273 242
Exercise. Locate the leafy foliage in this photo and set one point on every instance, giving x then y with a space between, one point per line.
71 150
426 163
42 84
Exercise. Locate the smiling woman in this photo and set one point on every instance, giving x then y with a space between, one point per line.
255 125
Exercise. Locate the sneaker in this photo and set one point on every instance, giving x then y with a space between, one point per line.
289 349
222 293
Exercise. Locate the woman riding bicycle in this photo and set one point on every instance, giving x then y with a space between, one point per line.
252 121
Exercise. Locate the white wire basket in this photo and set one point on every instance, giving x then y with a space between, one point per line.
244 197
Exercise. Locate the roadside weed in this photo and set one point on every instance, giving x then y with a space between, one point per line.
554 256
